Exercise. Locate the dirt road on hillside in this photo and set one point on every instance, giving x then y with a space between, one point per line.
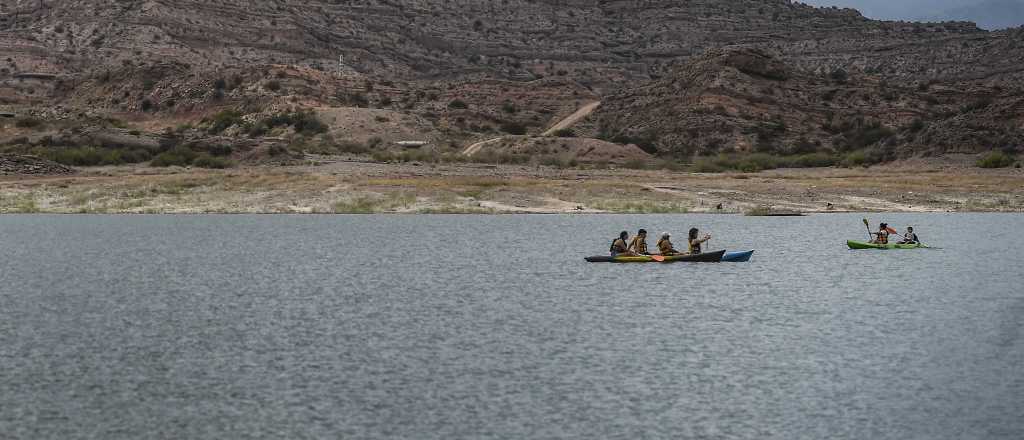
563 124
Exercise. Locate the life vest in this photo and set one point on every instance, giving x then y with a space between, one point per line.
883 237
639 245
665 246
695 246
612 248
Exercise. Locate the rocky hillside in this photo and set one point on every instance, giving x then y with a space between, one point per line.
473 66
747 100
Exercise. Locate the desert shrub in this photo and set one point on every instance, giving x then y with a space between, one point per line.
224 120
308 123
803 146
357 99
558 160
705 165
304 122
493 157
646 140
457 104
135 156
205 160
859 135
565 133
756 162
863 158
514 128
352 147
996 159
28 122
179 156
977 104
83 156
215 149
839 75
274 85
915 126
813 160
258 129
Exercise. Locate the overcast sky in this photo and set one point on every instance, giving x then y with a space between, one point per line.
987 13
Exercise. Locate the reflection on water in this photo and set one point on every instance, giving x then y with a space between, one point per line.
494 327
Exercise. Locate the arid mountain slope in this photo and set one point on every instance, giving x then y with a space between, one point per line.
472 66
748 100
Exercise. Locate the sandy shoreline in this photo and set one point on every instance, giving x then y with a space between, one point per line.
347 185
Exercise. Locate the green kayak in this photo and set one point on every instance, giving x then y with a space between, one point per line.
864 245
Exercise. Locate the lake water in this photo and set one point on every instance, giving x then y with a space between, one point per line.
480 327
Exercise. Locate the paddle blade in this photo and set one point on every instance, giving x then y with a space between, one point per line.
658 258
867 224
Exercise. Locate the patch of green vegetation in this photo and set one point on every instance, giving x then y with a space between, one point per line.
205 160
92 156
862 158
373 204
224 120
21 204
641 207
996 159
565 133
304 122
178 156
752 163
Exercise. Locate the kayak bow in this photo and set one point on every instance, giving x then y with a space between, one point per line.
737 257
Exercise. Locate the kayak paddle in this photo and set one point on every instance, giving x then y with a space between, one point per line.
868 225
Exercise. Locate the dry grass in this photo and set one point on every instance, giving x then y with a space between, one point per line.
362 188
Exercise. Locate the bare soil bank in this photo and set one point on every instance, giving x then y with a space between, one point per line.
337 185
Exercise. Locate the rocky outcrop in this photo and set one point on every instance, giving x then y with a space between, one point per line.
30 165
748 100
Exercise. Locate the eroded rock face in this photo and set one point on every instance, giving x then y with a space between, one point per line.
596 42
747 100
97 57
30 165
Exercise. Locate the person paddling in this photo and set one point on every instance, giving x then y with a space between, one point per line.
910 237
639 244
619 247
882 236
665 245
695 242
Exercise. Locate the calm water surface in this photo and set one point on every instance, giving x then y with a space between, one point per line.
478 327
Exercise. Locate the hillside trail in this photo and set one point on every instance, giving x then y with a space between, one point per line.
572 119
563 124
